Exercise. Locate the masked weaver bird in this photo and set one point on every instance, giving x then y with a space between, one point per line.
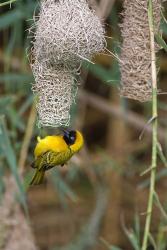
55 150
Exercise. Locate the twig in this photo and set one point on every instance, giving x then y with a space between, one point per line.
149 122
147 171
159 205
154 126
161 154
8 2
152 241
27 139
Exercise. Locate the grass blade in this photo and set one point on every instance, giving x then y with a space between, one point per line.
8 152
161 42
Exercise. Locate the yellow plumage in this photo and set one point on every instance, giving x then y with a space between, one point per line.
54 143
55 150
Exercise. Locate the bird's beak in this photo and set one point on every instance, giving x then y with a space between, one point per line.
66 132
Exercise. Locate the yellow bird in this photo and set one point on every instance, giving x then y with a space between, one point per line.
55 150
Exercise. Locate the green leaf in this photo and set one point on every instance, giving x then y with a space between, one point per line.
137 227
163 23
21 82
132 238
10 18
8 152
23 12
2 185
107 76
25 105
161 41
152 241
27 179
16 78
5 103
15 119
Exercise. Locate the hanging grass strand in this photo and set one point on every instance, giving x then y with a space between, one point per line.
155 127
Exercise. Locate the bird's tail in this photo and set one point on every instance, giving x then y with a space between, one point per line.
38 177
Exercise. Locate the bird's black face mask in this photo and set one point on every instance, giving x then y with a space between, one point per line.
69 137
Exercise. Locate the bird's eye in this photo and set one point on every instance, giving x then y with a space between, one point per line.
72 138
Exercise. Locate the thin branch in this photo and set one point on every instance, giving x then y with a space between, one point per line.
159 205
149 122
154 126
8 2
161 154
146 171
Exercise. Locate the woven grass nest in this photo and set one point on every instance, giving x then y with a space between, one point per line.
135 63
67 32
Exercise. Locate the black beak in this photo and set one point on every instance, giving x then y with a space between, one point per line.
65 131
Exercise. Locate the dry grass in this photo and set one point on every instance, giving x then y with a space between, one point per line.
135 56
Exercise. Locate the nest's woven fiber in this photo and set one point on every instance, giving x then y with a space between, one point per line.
136 57
55 93
67 31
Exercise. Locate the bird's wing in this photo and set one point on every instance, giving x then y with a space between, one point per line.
50 159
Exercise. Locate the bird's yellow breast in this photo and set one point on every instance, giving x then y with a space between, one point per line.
50 143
